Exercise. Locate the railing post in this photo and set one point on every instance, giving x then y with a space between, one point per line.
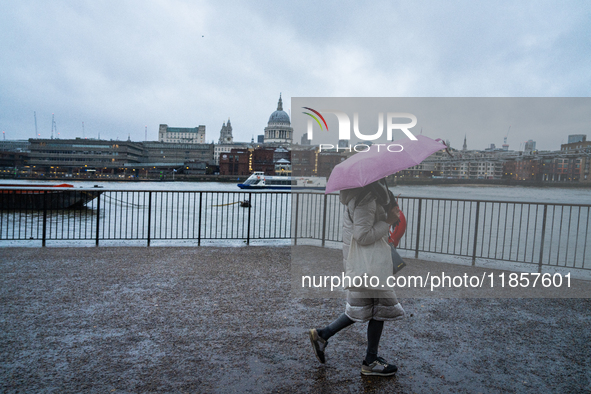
295 229
249 210
475 232
324 221
418 229
543 235
149 215
199 221
98 216
44 218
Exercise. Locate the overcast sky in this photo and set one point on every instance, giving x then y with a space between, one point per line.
119 66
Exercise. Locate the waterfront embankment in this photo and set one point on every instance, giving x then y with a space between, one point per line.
392 180
117 178
188 319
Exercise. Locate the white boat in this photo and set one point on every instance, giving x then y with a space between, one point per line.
259 180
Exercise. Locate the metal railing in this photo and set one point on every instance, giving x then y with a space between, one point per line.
525 232
152 215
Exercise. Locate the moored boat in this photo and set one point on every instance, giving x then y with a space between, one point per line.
33 197
258 180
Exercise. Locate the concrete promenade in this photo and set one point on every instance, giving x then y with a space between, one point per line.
208 319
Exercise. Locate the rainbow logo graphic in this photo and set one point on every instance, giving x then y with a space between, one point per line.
315 118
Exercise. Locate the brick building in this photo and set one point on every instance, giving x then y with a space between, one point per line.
327 161
303 161
527 170
235 162
263 160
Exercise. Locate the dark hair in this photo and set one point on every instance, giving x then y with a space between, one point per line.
379 189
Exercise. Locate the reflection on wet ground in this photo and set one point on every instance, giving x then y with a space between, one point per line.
222 320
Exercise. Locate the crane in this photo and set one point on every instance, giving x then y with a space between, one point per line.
505 144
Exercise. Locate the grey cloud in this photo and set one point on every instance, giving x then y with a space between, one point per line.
119 66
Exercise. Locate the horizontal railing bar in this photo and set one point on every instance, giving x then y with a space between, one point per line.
281 192
485 201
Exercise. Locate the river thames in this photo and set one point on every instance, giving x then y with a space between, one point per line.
548 225
555 195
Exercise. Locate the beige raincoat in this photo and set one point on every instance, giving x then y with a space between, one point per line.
366 222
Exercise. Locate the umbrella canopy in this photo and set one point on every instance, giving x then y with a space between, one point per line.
378 162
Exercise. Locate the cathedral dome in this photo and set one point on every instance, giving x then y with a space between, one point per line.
279 116
279 128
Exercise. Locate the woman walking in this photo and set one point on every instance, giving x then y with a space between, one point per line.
369 212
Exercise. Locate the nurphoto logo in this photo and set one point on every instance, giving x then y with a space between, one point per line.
345 127
345 124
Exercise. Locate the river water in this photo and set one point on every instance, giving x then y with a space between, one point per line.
556 195
187 213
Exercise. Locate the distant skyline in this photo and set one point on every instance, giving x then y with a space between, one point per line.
121 66
476 118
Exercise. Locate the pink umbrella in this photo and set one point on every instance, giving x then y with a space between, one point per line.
380 161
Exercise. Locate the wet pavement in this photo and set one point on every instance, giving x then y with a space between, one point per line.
187 320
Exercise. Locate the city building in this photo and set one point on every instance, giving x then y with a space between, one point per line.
327 161
262 160
249 160
226 134
279 128
555 166
281 153
305 140
162 152
573 138
564 169
423 170
66 157
283 167
97 158
577 142
83 153
194 168
219 149
11 160
525 169
185 135
235 162
462 165
530 146
304 160
14 155
14 146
